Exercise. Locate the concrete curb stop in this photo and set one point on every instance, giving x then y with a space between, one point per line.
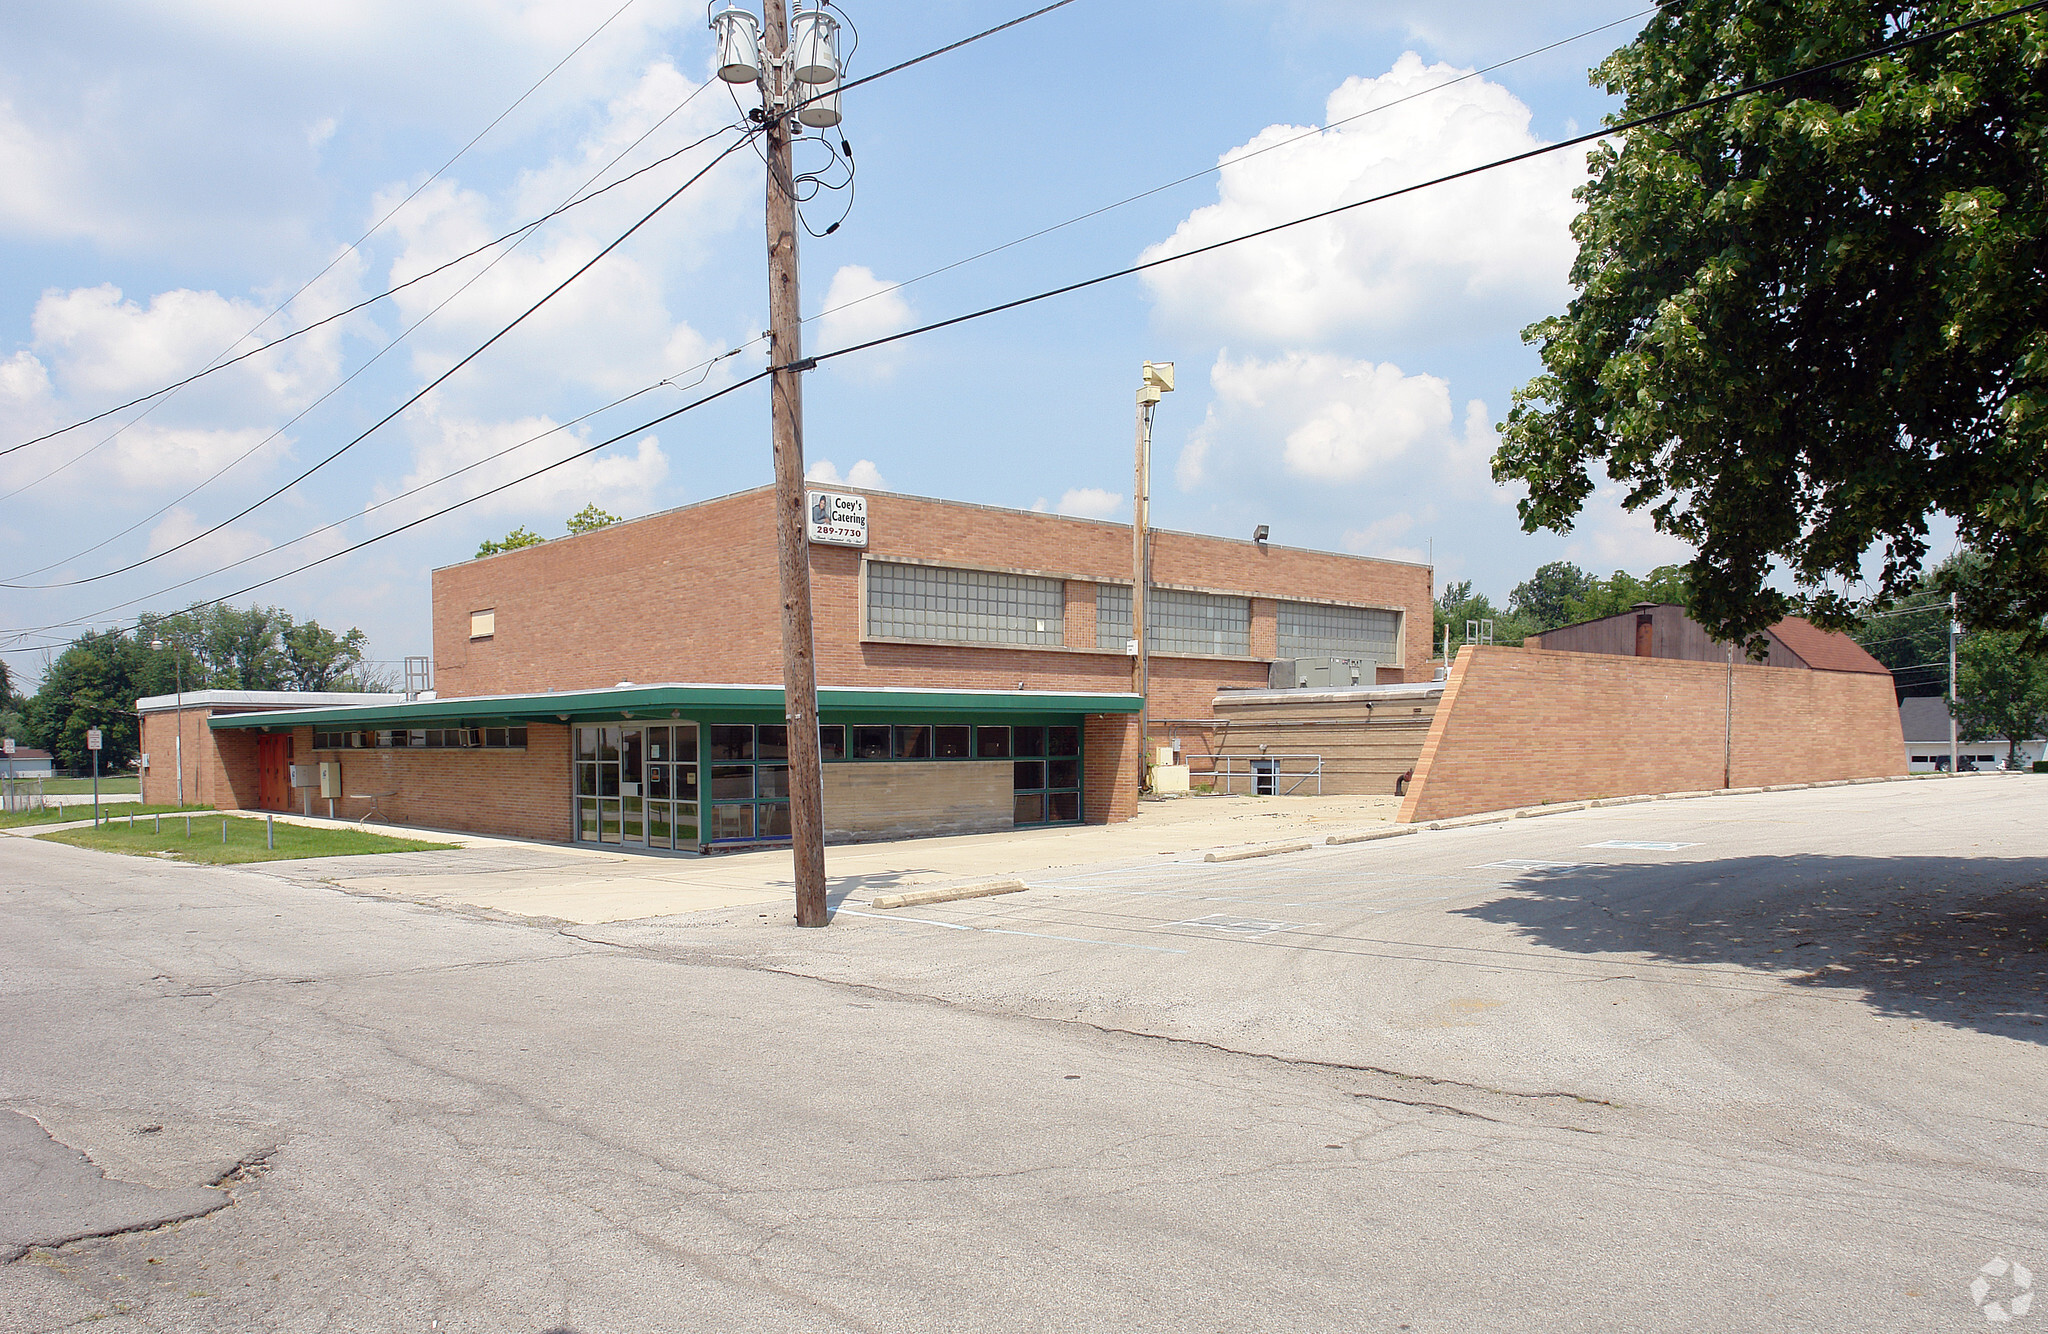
1268 850
946 894
1371 835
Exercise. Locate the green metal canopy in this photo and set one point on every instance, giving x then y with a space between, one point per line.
653 702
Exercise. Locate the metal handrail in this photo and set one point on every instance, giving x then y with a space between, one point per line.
1224 767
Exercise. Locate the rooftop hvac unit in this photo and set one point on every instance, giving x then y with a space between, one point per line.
1319 673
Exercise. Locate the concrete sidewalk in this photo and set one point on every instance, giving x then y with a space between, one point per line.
588 885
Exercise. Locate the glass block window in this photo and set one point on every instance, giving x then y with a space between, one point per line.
1312 630
1176 621
964 606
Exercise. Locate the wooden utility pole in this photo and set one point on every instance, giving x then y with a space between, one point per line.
786 412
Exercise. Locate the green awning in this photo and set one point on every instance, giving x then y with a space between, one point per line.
654 703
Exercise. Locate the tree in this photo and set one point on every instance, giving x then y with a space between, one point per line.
1809 318
2001 689
315 658
589 519
1616 594
1458 604
512 541
92 683
1546 599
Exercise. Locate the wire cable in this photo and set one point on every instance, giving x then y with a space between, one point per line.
430 386
1620 127
705 366
471 281
1718 99
577 201
450 509
352 246
1241 157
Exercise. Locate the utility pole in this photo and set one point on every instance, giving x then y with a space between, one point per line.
760 53
1158 381
1953 732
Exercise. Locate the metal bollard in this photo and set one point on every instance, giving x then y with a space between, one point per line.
188 826
270 833
223 831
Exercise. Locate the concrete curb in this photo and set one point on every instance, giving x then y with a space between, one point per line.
1602 803
1268 850
946 894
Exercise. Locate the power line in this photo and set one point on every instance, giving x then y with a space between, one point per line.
1233 161
1653 118
1656 117
450 509
429 387
576 200
403 495
349 249
309 408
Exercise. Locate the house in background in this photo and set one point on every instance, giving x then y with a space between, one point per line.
1663 630
1925 721
28 762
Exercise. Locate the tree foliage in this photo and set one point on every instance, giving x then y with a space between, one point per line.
2002 690
511 541
96 681
1808 319
589 519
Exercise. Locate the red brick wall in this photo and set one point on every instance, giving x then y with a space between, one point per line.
518 794
1109 781
1518 727
220 767
690 595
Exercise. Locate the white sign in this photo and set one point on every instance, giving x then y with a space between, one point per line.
92 738
835 520
7 746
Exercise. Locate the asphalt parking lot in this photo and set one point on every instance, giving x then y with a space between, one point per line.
1763 1062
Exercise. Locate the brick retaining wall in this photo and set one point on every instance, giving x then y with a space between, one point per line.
1519 727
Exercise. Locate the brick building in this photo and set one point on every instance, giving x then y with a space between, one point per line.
622 686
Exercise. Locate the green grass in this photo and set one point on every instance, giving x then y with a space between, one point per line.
128 785
244 840
66 814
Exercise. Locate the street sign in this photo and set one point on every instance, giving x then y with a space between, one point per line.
7 746
92 738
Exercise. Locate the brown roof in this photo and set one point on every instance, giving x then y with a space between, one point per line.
1826 650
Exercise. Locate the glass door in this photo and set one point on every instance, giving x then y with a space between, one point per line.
637 786
633 786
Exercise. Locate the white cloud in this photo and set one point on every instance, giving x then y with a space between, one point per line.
1432 259
1088 502
320 131
859 307
1608 537
1381 538
221 548
618 479
863 473
1336 419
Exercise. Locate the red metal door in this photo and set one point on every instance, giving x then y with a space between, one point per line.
273 772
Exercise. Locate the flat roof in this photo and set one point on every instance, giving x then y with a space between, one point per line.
259 699
564 706
888 494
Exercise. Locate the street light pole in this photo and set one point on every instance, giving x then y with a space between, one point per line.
1158 381
158 643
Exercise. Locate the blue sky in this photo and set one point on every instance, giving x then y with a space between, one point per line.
177 171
